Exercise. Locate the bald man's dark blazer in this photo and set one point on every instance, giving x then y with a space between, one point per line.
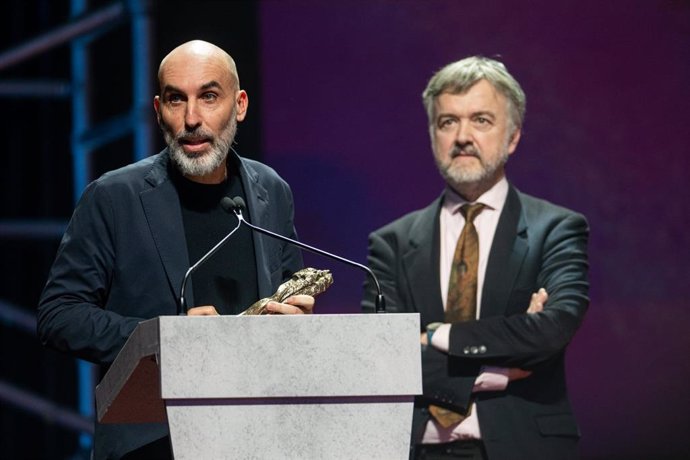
537 244
123 258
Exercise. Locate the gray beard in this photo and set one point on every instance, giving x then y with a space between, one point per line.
205 163
462 176
457 176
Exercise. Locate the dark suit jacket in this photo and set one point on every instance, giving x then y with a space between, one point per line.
123 258
537 244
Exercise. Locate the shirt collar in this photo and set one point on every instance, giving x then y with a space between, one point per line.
494 198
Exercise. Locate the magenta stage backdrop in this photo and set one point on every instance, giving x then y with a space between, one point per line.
606 134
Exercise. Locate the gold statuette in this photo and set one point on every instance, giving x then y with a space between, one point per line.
308 281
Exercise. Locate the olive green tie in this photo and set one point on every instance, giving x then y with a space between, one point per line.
461 304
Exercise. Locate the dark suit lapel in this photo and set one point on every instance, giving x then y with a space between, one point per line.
421 263
508 252
162 209
258 208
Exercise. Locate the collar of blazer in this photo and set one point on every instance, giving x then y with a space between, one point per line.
508 251
164 216
420 261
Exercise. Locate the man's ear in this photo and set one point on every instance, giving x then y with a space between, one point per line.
514 139
157 108
242 103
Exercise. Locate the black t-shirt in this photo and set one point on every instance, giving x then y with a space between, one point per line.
227 280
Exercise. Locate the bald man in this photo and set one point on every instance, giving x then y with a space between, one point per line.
136 231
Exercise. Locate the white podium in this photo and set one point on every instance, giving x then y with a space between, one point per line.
274 387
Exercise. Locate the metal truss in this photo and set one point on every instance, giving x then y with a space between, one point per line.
80 31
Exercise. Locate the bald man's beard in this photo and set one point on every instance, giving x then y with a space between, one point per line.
203 163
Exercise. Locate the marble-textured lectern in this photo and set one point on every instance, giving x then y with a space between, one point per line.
294 386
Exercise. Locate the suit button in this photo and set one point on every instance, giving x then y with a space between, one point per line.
474 350
482 349
466 350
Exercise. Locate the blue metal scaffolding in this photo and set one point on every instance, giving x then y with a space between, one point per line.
81 30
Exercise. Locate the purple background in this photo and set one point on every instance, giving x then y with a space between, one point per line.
606 134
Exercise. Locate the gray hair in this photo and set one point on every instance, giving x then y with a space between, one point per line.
458 77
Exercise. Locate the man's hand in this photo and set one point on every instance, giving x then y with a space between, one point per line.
537 301
206 310
294 305
515 373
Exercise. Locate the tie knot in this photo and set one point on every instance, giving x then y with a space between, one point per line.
470 211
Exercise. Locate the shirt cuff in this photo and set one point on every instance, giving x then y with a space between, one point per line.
441 337
492 379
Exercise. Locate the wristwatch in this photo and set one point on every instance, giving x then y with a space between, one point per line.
430 329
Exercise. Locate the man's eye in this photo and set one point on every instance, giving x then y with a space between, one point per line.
482 121
209 97
446 123
174 98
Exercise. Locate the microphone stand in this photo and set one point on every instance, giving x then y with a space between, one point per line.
182 305
235 205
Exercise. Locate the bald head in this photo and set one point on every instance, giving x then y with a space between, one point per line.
194 53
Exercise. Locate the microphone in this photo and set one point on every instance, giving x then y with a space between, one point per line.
182 305
235 206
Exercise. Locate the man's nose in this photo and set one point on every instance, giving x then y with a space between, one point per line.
191 116
463 135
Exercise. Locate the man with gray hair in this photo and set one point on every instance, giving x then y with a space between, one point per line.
498 277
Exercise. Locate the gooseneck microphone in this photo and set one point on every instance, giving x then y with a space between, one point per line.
182 305
235 206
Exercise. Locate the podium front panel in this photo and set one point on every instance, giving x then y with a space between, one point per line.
289 356
297 431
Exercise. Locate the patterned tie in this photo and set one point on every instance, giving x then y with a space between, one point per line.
462 285
462 292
